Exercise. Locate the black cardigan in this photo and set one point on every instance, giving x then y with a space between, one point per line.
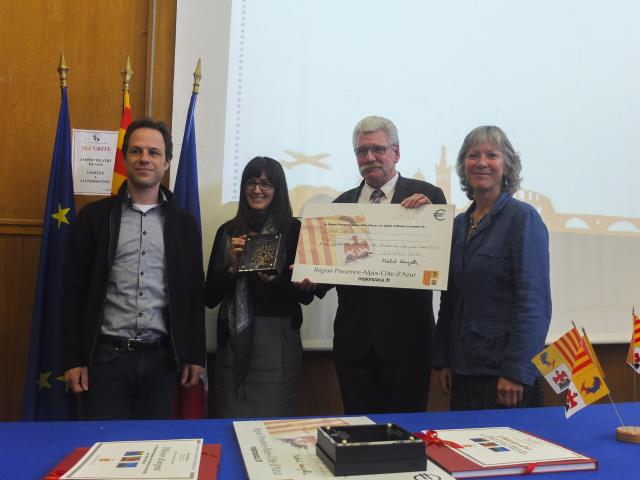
90 251
279 298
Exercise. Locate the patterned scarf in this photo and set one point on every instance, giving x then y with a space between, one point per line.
237 312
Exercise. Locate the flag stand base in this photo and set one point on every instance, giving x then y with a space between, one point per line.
628 434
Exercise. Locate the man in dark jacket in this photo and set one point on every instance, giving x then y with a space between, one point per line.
382 335
132 309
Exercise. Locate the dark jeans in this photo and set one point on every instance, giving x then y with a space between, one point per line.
127 384
376 385
479 392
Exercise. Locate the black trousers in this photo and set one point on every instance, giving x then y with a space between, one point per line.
479 392
376 385
130 384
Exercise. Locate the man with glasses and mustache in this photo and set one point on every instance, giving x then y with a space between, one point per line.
382 335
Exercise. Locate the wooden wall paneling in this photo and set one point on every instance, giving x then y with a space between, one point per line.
159 95
319 387
96 37
20 226
161 106
19 254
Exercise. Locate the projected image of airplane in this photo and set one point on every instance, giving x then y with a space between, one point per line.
302 159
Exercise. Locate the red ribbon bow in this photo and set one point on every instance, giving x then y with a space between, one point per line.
431 438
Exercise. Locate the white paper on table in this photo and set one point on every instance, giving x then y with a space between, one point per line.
137 460
277 449
499 446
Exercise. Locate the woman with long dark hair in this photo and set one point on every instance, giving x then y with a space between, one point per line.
259 354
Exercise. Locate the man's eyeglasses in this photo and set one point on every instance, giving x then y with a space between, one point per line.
362 152
263 184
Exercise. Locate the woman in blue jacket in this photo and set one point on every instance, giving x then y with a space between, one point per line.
495 314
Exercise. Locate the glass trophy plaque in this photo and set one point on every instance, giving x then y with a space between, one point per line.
263 253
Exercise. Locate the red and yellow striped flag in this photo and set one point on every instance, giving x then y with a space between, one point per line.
315 245
327 240
592 353
633 356
119 170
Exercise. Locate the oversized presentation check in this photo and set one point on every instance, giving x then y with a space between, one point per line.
375 245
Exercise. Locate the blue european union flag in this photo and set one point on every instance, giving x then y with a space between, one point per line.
45 395
185 190
189 402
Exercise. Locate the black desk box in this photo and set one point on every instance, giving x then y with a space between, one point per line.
370 449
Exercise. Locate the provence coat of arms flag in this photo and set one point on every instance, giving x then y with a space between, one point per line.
555 361
587 384
633 357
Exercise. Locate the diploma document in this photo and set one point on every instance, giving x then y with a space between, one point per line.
138 460
495 451
375 245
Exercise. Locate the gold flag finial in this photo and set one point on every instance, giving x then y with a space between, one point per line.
127 73
63 68
197 75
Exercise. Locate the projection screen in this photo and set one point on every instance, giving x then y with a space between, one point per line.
289 79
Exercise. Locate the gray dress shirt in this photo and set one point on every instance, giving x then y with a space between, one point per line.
136 297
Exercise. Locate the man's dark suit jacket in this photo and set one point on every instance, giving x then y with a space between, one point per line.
396 322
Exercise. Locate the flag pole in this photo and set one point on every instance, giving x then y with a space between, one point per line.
600 369
616 409
630 434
